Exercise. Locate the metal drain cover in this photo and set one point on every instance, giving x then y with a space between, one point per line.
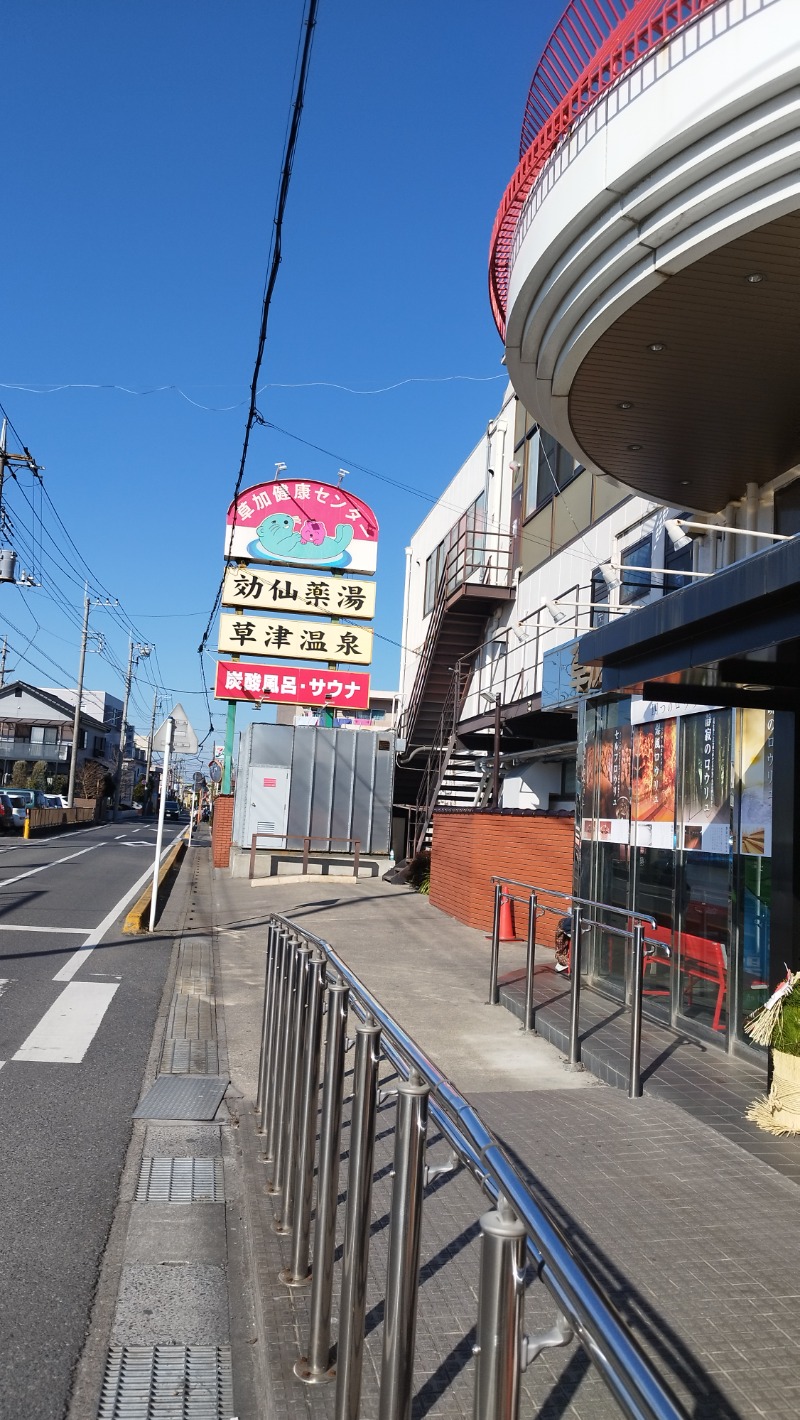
165 1382
187 1180
183 1097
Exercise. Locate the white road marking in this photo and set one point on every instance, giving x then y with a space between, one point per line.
6 882
66 1031
4 982
78 958
118 836
21 842
15 927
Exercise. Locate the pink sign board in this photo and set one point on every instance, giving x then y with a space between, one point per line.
291 685
299 522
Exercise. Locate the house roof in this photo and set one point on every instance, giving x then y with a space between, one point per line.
53 702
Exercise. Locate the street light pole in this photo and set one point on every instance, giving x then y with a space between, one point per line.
76 722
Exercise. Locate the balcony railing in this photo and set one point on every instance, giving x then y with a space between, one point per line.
26 749
589 50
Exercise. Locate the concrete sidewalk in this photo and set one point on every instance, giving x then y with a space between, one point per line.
692 1237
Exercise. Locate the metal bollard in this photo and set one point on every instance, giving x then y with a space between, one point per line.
269 986
352 1306
529 964
498 1347
283 1070
635 1080
283 1222
575 999
402 1276
494 960
316 1365
298 1272
269 1112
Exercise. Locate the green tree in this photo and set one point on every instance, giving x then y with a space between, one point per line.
139 792
19 774
38 779
60 784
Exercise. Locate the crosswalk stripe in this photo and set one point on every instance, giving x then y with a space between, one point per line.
66 1031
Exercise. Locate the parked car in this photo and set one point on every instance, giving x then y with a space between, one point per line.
56 801
19 808
34 798
6 814
172 809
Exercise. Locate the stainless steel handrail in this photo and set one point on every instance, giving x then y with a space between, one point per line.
583 1309
580 924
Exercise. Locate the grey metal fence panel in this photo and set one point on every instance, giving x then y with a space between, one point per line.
301 788
361 818
322 801
383 786
343 785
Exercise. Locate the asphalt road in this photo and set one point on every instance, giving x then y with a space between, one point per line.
78 1004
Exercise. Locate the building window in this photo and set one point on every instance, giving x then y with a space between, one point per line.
634 584
99 746
677 559
600 592
787 509
556 468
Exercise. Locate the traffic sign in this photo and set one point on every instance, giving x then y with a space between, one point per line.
199 780
215 772
184 738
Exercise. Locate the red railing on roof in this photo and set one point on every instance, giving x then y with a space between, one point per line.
594 42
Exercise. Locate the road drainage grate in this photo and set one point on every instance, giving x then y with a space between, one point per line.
183 1097
181 1181
190 1057
167 1383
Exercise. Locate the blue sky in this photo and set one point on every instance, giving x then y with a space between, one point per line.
142 147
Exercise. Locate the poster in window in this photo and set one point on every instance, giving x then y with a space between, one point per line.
758 744
706 788
653 806
614 785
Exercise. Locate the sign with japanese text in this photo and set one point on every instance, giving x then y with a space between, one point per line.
706 820
297 592
291 685
653 784
258 635
302 523
758 754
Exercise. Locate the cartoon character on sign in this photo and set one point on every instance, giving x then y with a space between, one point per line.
280 538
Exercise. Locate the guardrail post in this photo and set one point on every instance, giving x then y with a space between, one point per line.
283 1223
498 1347
356 856
306 851
283 1076
529 964
252 869
635 1077
494 959
575 999
269 984
352 1307
269 1108
316 1365
402 1276
298 1272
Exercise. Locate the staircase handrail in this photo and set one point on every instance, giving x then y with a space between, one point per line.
453 577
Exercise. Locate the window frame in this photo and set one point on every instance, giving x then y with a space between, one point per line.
632 590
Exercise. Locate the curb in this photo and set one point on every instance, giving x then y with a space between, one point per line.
135 920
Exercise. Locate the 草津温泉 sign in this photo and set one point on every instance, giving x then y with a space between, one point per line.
303 523
283 636
291 685
299 592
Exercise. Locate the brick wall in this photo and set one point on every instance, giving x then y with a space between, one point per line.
469 849
222 830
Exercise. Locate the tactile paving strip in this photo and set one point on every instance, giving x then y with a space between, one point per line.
183 1097
189 1180
190 1057
167 1383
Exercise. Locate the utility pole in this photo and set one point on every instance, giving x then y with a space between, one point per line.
150 744
3 662
76 722
140 652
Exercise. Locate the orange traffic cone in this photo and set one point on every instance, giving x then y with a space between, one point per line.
507 930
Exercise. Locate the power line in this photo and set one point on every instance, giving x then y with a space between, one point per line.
309 22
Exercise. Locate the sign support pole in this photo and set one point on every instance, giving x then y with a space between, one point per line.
191 817
230 728
162 804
